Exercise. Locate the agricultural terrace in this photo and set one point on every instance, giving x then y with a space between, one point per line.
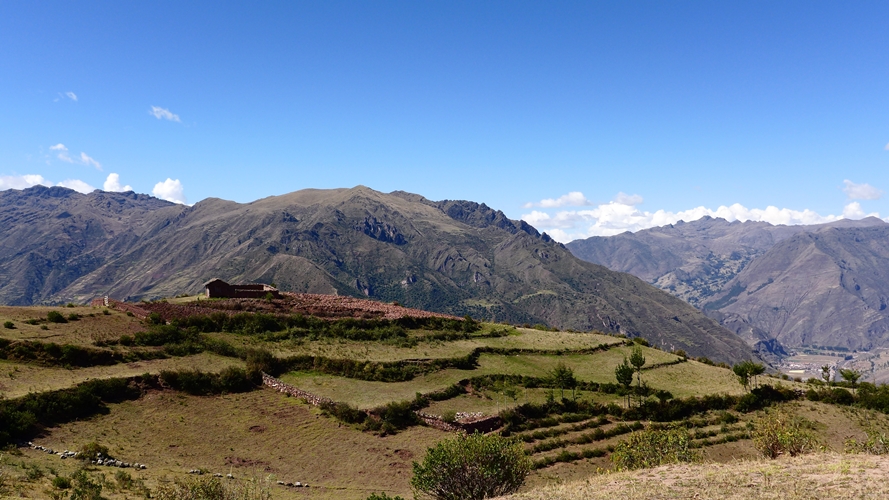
184 393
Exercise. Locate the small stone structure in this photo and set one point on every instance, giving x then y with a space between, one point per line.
216 288
120 306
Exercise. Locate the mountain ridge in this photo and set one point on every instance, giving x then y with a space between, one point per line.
451 256
790 284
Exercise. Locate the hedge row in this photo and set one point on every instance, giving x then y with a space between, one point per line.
300 326
67 355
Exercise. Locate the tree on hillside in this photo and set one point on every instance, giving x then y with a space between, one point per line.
471 467
563 378
637 359
825 374
756 369
624 374
851 376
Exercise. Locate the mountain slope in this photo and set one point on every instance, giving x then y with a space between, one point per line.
455 257
825 288
795 284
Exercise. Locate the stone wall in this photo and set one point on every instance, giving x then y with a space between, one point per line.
483 424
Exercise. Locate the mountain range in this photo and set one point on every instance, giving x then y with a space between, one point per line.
456 257
819 285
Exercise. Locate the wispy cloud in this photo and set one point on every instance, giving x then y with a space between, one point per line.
861 191
86 160
572 199
62 152
112 183
164 114
71 95
170 190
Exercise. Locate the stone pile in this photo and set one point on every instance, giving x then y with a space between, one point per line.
99 460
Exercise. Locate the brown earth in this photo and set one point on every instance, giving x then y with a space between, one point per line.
319 305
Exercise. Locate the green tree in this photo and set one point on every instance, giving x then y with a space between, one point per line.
825 374
747 369
637 359
851 376
472 468
624 374
756 369
563 378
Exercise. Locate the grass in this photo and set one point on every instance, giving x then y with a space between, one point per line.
598 367
84 331
257 433
828 475
19 379
523 338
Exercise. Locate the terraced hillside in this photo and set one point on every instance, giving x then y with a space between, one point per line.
373 395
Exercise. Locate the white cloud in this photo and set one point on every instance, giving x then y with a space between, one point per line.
164 114
112 183
77 185
63 152
71 95
572 199
861 191
170 190
31 180
22 181
86 160
621 215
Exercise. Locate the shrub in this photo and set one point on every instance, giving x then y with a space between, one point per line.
384 496
55 317
92 450
778 432
471 467
74 317
875 443
61 482
9 324
650 448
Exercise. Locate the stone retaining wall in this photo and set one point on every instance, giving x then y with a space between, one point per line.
485 424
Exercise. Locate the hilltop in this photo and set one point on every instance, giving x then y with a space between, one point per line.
451 257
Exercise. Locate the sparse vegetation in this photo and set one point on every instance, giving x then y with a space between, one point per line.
778 432
650 448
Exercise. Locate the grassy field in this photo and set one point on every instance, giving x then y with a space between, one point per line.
597 367
827 475
267 435
256 434
92 326
520 338
18 379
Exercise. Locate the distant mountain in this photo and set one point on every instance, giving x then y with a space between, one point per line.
455 257
793 284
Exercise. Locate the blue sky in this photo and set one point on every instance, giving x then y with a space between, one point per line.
647 111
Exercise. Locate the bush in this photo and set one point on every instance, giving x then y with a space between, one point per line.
61 482
92 450
383 496
55 317
471 467
9 324
650 448
778 432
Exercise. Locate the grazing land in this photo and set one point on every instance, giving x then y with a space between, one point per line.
378 392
